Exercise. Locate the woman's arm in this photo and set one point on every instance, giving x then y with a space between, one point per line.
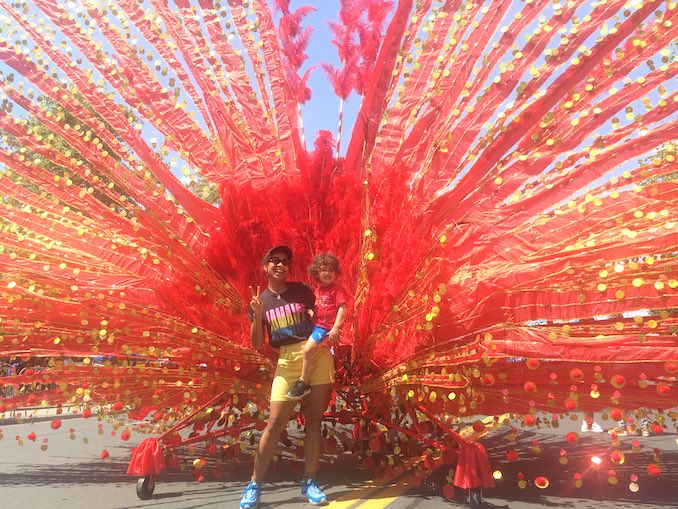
257 327
257 333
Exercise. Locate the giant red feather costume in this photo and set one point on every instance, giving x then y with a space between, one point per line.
504 209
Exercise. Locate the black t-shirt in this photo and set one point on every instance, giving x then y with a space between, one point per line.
286 316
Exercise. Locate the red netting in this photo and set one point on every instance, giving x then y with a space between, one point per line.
504 212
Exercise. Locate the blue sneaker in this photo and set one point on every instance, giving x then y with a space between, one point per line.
311 491
250 497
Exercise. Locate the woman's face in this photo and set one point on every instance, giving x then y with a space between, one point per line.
278 266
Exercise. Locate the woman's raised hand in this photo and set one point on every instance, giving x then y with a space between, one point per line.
256 303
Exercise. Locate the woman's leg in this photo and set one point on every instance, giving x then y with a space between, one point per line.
279 416
315 405
309 351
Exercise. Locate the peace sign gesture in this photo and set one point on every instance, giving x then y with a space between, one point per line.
256 303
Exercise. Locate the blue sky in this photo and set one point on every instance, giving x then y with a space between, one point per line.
322 111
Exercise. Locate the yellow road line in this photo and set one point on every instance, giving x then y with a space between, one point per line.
364 496
391 493
354 497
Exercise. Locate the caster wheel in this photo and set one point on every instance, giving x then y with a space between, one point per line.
475 497
145 487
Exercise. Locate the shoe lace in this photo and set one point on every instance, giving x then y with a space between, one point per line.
313 488
251 491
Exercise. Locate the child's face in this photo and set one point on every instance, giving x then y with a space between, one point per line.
326 275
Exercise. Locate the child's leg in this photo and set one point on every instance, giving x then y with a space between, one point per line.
309 351
302 387
310 348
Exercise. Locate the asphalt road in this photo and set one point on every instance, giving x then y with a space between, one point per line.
70 474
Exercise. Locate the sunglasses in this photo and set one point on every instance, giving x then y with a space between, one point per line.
275 261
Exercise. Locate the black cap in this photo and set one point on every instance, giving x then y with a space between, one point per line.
283 249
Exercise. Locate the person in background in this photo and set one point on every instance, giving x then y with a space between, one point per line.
623 430
589 425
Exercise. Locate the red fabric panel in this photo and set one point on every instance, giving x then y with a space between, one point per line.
536 111
473 469
375 94
148 458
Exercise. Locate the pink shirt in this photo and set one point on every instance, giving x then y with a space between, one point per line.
327 301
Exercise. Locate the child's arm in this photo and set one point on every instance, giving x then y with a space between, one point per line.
333 335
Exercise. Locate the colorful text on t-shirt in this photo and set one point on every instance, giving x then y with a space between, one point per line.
288 320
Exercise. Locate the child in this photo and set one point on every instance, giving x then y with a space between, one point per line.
330 307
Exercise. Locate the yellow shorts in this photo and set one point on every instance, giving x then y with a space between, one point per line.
288 370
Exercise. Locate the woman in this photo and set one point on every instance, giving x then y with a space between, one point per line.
284 310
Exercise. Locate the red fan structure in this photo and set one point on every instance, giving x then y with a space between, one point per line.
504 210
